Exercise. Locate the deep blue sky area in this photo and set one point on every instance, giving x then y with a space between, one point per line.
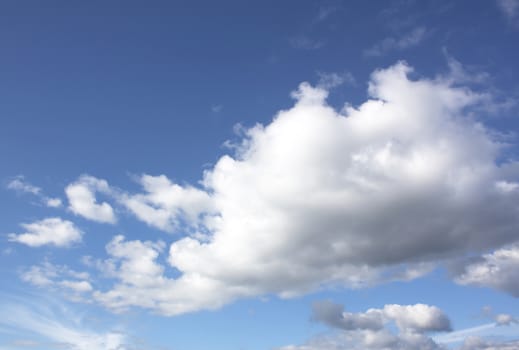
99 97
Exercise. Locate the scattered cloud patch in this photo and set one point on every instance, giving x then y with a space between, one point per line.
416 318
498 270
53 327
373 329
388 44
20 185
82 200
50 231
165 204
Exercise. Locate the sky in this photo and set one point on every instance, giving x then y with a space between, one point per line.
274 175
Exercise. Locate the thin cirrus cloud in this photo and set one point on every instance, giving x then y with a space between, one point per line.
20 185
82 201
52 325
406 41
50 231
510 9
322 197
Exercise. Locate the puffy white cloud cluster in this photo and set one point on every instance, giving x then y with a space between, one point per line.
50 231
82 201
165 204
322 197
355 197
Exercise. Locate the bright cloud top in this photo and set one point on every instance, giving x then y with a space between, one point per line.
81 196
319 197
50 231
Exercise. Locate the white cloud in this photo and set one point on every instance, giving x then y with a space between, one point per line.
54 326
373 329
318 198
72 283
505 319
50 231
82 201
53 202
411 39
20 185
499 270
164 203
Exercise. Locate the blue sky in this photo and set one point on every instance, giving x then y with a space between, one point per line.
296 175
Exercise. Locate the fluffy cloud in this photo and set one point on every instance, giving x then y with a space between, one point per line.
81 196
165 204
499 270
417 318
20 185
372 329
50 231
321 197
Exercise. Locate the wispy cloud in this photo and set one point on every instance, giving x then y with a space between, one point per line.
510 9
406 41
329 81
305 43
20 185
50 324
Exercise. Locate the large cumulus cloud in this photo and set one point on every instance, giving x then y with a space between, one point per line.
321 196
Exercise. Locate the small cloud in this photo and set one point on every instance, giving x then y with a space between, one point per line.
505 319
305 43
50 231
216 108
20 185
53 202
510 9
388 44
323 13
82 201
